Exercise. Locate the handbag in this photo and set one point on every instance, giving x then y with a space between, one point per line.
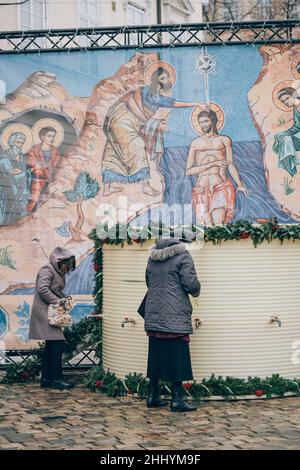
141 309
58 314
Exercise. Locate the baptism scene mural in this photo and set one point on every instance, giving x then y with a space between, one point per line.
215 129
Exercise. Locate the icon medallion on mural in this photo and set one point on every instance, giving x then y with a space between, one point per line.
13 129
213 107
155 66
48 122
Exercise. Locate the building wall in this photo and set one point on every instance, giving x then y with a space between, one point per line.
74 14
9 17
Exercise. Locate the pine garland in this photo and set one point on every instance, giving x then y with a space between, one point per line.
88 329
231 388
24 372
268 231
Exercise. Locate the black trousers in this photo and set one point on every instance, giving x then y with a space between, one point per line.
52 360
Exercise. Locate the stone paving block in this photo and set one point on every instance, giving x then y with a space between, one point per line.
13 436
3 441
106 442
292 434
227 447
4 431
14 446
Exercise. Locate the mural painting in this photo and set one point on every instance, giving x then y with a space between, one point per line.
217 130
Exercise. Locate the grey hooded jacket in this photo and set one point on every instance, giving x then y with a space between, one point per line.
49 289
170 277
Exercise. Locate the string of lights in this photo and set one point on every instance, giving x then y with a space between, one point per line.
140 37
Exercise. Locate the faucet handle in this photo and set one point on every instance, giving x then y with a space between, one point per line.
198 322
127 320
275 319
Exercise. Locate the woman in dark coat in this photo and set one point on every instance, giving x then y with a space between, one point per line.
50 283
170 278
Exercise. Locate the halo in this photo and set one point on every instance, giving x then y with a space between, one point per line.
276 100
155 65
59 137
295 62
204 107
17 127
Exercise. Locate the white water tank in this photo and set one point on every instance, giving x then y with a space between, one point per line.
242 288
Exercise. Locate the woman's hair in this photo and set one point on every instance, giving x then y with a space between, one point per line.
212 116
69 262
154 79
43 131
287 91
15 136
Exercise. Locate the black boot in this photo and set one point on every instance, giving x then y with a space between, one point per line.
61 385
178 403
46 383
153 400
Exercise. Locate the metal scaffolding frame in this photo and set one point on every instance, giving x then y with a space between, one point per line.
142 37
83 360
251 32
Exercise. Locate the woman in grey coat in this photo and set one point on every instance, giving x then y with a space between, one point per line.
170 278
50 283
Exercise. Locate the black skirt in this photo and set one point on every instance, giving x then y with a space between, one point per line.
169 359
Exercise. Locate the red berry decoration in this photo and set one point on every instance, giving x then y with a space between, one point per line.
97 267
25 374
259 393
99 383
187 386
244 235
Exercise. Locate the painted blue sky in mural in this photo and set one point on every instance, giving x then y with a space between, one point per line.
236 71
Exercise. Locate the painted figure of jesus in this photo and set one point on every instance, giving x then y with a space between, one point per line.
210 157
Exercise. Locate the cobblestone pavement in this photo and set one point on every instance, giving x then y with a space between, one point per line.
32 418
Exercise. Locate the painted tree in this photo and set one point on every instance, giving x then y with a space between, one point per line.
84 188
6 258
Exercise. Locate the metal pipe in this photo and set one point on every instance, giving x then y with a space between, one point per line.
158 14
158 11
280 32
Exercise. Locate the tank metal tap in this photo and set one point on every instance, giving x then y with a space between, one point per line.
198 322
275 319
127 320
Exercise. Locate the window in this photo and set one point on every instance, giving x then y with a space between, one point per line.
264 10
295 11
89 13
231 10
32 15
135 15
89 16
